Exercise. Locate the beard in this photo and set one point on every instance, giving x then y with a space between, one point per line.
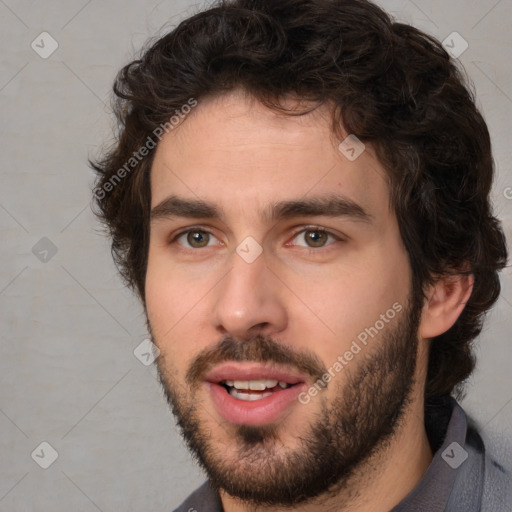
343 435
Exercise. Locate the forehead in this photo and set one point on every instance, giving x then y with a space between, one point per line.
231 150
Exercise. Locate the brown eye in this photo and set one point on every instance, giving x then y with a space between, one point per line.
198 239
316 238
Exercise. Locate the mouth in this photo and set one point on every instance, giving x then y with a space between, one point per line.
252 390
252 394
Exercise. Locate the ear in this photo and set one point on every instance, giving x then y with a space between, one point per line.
445 301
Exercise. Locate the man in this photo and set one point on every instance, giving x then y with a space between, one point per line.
300 197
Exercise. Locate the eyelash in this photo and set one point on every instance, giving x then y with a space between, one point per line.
304 229
193 229
318 229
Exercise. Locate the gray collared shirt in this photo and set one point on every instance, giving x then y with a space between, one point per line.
462 477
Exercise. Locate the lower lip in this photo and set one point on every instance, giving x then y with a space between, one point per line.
256 413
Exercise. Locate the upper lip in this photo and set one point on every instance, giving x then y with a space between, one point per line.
252 371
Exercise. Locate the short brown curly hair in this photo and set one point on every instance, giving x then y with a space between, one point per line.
389 84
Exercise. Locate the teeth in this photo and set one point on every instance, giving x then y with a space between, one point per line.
255 385
241 384
249 397
237 388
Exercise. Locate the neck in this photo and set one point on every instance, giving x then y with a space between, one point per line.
381 483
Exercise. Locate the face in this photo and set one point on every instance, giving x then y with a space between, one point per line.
278 293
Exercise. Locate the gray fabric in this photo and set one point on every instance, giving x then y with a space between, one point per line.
433 490
468 489
204 499
482 483
497 484
478 484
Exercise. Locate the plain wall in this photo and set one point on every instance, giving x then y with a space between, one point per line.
68 374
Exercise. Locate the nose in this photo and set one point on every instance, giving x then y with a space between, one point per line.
249 300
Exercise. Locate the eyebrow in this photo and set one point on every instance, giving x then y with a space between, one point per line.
174 206
329 206
326 206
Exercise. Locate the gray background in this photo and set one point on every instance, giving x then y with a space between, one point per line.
68 374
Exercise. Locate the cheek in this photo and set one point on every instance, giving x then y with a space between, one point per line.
176 308
157 296
162 311
351 298
166 299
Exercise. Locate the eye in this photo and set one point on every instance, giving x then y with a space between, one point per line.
313 238
196 239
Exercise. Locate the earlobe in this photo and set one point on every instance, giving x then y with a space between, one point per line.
445 301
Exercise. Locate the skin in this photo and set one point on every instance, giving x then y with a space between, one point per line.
243 158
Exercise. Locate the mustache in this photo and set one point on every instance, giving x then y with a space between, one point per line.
260 349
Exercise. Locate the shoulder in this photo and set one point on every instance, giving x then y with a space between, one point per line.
481 472
497 485
488 470
203 499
